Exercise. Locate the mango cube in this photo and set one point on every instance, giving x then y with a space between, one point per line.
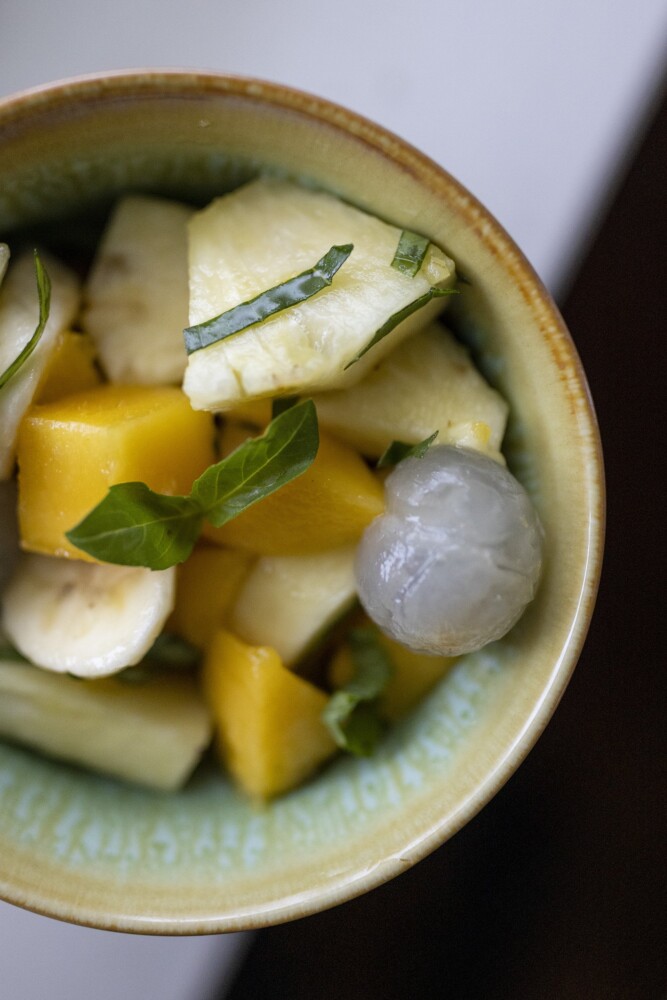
207 585
270 730
70 451
326 507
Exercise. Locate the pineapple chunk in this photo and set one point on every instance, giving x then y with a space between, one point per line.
71 368
326 507
207 584
288 602
137 293
72 450
270 730
427 384
152 734
260 236
414 675
19 313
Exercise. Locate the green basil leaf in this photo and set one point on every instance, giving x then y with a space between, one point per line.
398 450
44 296
273 300
410 252
169 654
260 465
351 713
134 526
434 292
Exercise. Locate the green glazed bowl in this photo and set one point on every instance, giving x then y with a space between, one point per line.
92 851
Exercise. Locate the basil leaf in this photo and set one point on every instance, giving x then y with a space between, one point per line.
398 450
410 252
134 526
44 295
259 466
169 654
433 293
351 712
267 303
172 652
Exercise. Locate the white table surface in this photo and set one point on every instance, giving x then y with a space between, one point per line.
533 105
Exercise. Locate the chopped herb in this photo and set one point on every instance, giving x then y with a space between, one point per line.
351 712
169 654
434 292
410 252
44 295
273 300
398 450
134 526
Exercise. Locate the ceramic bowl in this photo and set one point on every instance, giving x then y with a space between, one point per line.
89 850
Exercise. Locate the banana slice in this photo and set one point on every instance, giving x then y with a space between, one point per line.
137 293
86 619
265 233
19 312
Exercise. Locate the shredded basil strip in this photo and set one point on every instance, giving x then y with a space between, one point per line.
433 293
351 713
398 450
44 295
410 252
273 300
135 526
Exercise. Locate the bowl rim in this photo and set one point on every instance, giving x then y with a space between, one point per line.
174 82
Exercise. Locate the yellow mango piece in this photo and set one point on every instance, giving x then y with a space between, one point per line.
328 506
72 450
270 730
207 585
414 675
71 368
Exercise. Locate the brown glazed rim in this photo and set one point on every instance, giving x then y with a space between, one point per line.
86 91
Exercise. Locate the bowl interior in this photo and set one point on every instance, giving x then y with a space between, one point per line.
94 851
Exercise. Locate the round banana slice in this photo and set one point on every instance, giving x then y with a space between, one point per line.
86 619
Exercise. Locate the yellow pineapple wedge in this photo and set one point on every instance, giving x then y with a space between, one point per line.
262 235
270 732
289 602
326 507
427 384
70 451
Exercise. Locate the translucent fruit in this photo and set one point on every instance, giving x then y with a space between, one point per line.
456 558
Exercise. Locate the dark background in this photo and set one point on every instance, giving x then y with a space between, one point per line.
557 889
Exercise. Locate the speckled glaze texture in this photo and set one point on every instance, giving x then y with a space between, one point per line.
93 851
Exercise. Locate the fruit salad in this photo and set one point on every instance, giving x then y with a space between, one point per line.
252 492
